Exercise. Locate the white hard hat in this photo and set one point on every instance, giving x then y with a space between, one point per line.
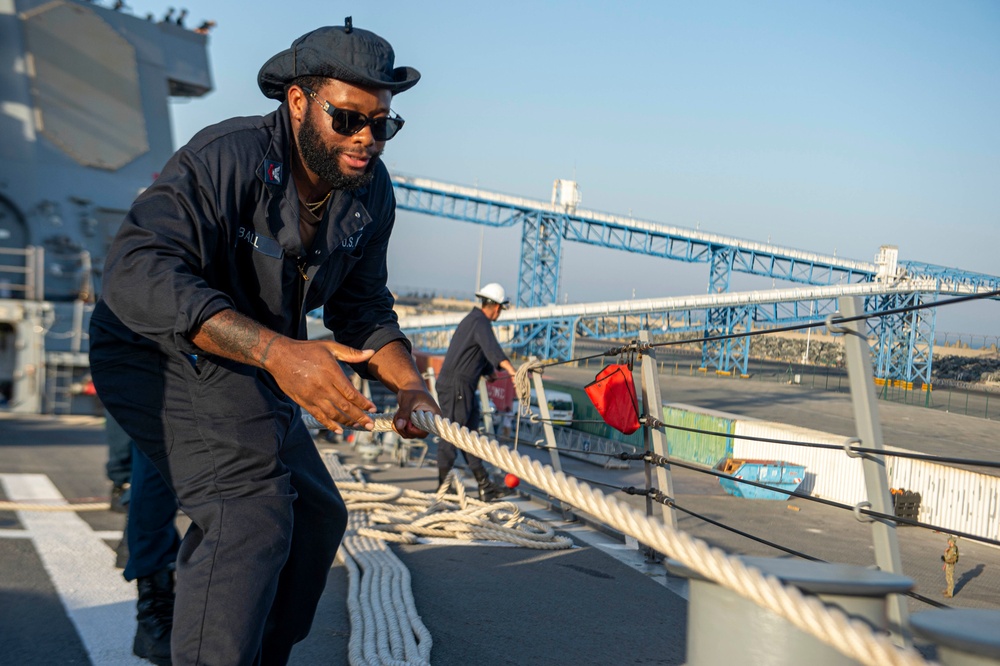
494 292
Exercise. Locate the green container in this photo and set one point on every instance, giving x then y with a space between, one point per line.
584 410
694 447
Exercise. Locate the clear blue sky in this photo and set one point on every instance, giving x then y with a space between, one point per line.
825 126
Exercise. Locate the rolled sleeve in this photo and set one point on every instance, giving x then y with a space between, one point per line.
154 275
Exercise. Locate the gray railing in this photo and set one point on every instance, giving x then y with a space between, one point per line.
21 274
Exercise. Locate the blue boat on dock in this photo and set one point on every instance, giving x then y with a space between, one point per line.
775 473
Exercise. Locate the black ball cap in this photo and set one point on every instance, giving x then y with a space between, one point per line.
337 52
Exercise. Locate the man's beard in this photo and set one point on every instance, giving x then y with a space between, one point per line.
325 162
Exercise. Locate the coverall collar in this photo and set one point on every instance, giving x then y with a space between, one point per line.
345 217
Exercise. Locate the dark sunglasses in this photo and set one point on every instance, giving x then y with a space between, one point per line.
349 123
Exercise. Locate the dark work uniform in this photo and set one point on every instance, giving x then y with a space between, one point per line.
473 353
219 229
150 532
119 467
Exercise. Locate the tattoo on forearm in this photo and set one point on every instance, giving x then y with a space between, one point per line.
234 335
263 357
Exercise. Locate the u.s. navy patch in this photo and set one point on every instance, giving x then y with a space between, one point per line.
272 172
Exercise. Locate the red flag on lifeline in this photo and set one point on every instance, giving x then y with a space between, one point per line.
613 394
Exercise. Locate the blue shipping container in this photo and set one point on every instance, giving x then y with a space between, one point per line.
775 473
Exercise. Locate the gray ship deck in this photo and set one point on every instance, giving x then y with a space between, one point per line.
598 603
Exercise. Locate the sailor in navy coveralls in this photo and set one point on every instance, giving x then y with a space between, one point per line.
199 345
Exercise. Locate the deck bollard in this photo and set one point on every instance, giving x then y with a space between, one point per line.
964 637
725 628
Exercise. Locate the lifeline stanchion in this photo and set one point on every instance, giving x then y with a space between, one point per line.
866 418
486 408
654 438
543 409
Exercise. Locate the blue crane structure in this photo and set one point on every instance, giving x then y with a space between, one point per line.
903 346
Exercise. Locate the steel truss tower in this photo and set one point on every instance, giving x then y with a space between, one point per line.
903 344
724 355
538 284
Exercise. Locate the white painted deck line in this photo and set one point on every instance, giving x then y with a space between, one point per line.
99 602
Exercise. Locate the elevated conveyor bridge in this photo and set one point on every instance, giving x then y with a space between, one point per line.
904 344
686 314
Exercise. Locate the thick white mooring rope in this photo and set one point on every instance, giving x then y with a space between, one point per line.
385 626
853 638
386 592
36 506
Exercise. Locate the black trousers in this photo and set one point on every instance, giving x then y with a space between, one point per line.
266 517
119 467
458 404
153 541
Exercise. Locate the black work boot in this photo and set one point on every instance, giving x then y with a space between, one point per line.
121 550
120 495
489 491
155 617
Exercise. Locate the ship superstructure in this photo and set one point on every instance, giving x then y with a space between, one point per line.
84 127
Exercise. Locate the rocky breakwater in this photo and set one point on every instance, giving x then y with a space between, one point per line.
967 369
952 365
821 351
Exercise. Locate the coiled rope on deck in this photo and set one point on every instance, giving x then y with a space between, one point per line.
386 628
403 516
853 638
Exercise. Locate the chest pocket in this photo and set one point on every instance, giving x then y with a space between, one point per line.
332 274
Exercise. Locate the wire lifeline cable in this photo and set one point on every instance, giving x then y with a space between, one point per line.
833 320
658 497
651 458
830 625
791 551
656 423
821 500
669 502
911 455
662 499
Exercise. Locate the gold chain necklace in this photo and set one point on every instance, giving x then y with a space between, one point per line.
313 207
